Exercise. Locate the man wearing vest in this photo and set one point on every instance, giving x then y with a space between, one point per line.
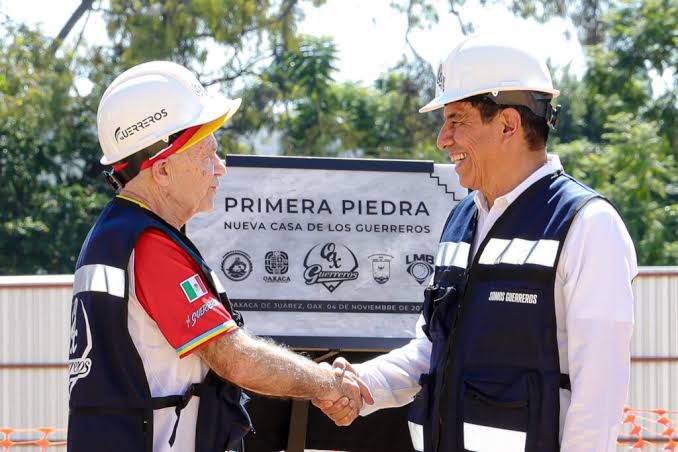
524 341
157 355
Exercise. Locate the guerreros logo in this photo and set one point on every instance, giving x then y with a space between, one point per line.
236 265
79 362
122 134
330 264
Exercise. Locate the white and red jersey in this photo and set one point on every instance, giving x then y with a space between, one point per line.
171 313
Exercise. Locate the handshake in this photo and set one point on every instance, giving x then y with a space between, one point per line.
343 403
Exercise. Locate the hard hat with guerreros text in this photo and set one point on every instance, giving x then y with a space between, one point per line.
149 102
501 67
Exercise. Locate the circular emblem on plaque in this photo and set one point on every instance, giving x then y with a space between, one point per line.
236 265
420 266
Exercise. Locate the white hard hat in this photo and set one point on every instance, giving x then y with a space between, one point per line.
151 101
489 64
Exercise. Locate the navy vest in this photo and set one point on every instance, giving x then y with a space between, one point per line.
111 407
495 374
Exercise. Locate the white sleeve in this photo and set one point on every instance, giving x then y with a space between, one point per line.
597 266
393 378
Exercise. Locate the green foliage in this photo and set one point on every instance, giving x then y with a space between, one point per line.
318 117
633 168
46 140
179 30
616 134
584 14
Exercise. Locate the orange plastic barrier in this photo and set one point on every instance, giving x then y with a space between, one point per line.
649 429
46 437
641 430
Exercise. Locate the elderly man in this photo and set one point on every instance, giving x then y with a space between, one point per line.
158 356
524 341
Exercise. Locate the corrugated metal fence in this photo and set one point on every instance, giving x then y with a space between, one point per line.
35 320
654 362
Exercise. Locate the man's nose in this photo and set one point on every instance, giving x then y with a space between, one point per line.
219 166
445 139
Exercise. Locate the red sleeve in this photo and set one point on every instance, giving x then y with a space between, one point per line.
173 291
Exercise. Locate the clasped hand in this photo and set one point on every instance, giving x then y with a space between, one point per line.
353 393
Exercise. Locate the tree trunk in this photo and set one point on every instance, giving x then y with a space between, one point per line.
85 5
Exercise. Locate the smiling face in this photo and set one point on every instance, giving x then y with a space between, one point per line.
197 172
474 146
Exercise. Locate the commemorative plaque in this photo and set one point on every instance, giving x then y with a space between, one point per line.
327 253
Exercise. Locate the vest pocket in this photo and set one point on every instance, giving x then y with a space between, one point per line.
420 410
497 415
222 418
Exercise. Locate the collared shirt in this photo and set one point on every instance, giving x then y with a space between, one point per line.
594 318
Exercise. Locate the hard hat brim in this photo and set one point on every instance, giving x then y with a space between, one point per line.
208 128
455 96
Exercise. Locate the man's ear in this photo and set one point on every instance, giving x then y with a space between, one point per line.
510 121
161 171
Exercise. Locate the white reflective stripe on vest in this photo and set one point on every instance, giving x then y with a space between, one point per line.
100 278
217 283
519 252
544 253
480 438
417 435
452 253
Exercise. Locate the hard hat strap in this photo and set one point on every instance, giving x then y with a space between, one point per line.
537 102
128 168
552 116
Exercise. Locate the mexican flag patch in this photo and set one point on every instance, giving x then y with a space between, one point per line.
193 288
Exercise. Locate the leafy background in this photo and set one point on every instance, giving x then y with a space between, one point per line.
614 134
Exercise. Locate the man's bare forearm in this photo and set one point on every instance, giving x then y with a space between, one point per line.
264 367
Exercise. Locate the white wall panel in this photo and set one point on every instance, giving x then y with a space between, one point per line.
32 398
656 313
34 319
654 385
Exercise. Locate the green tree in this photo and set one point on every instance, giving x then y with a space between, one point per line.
47 138
634 169
615 134
320 117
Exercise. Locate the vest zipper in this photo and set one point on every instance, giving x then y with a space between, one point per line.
466 278
449 361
